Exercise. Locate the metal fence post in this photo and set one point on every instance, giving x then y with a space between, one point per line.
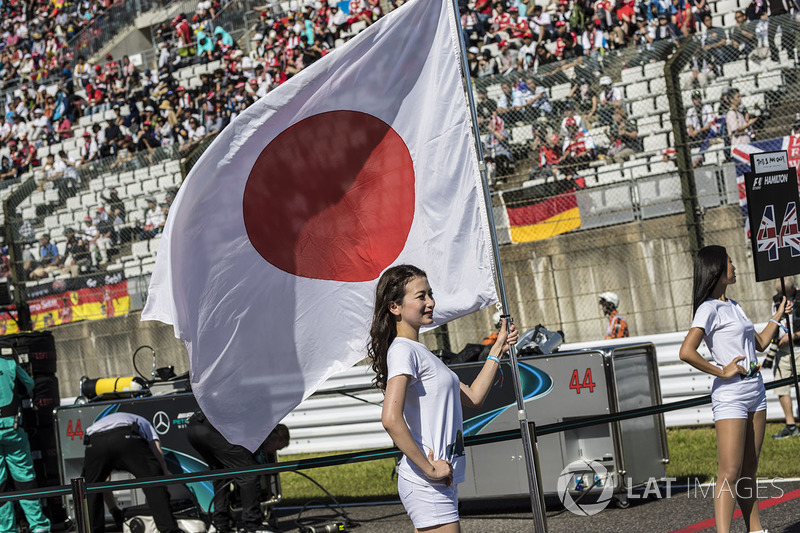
15 247
683 152
81 508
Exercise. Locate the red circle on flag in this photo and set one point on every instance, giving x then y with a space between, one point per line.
331 197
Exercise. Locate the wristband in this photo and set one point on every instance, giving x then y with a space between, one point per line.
780 325
500 377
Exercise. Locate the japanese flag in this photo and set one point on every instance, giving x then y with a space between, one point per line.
273 247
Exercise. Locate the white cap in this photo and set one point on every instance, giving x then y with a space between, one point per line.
605 80
610 297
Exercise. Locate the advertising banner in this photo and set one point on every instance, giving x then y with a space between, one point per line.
72 300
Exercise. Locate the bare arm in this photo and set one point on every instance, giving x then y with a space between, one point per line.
395 425
474 395
155 445
765 337
689 354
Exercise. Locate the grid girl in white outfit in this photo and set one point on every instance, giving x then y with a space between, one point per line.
738 397
423 398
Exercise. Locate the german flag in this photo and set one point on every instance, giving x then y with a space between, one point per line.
542 211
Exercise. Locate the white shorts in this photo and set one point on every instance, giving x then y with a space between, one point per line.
429 505
736 398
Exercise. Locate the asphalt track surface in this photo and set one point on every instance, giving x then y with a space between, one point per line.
687 510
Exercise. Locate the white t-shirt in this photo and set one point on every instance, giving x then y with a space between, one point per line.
728 332
432 408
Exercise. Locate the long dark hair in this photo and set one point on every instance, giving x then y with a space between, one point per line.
709 265
391 288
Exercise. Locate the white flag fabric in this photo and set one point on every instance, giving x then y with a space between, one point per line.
272 250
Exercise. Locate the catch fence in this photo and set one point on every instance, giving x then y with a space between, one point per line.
624 216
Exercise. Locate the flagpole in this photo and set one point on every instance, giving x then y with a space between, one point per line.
528 438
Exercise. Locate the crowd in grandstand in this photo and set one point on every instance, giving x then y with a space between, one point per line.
158 110
528 47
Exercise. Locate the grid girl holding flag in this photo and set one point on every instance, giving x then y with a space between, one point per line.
738 396
422 404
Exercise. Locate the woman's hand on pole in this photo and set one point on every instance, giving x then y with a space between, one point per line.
733 368
785 308
506 337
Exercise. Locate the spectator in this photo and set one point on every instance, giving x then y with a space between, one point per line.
548 152
540 24
113 137
738 121
666 32
70 170
780 17
106 236
743 35
762 50
610 99
53 173
48 258
578 150
699 118
153 220
76 255
89 151
594 43
485 108
470 23
624 136
507 58
64 129
526 55
147 140
584 99
505 104
534 99
7 170
487 66
40 126
715 44
569 113
214 122
90 236
682 17
704 70
28 151
196 134
164 206
496 149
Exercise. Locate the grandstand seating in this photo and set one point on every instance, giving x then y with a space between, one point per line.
647 182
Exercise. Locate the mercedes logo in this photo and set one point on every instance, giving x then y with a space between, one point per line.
161 422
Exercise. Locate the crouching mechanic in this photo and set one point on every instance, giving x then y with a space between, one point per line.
15 451
124 441
218 453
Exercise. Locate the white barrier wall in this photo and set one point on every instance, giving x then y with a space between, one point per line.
333 423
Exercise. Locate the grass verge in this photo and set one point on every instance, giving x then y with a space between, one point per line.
693 457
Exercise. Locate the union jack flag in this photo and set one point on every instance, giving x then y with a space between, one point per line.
768 235
790 233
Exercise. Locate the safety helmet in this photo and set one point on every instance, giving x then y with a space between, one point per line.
610 297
